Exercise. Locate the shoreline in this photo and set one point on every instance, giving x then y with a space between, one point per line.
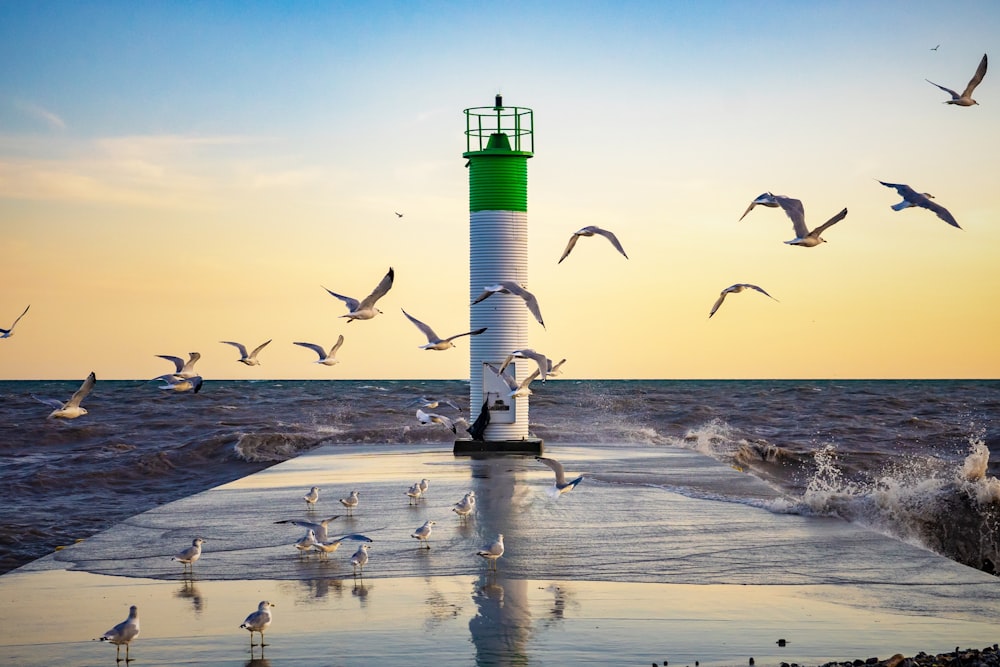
677 576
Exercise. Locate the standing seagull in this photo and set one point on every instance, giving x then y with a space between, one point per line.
796 212
424 533
365 310
965 99
735 289
590 231
7 333
510 287
360 559
123 633
325 358
913 198
561 486
311 497
350 502
492 552
71 409
463 508
435 342
188 557
248 359
258 621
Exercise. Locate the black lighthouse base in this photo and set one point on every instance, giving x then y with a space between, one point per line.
527 446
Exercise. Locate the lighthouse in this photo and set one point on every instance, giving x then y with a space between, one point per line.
499 142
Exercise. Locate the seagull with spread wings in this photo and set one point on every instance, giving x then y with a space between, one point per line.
71 409
7 333
325 358
913 198
248 359
591 230
435 342
365 310
510 287
965 99
796 213
735 289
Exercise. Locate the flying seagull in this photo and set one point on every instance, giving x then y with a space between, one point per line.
913 198
510 287
327 548
965 99
765 199
561 485
365 310
516 389
935 48
544 363
796 212
248 359
433 403
181 384
590 230
735 289
318 528
71 409
325 358
7 333
185 369
398 214
432 418
435 342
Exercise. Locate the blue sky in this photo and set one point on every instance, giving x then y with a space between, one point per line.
211 164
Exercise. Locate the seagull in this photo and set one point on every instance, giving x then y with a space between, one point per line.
590 230
765 199
913 198
258 621
123 633
318 528
414 493
935 48
516 389
329 547
7 333
735 289
179 384
510 287
434 418
561 486
360 558
71 409
424 533
248 359
311 497
434 403
556 369
307 541
185 369
325 358
424 484
965 99
188 556
543 362
350 502
793 209
365 310
491 552
435 342
463 508
398 214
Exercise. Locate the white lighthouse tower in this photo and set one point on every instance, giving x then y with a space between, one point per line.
499 141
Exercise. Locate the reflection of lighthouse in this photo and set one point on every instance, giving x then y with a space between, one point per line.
499 141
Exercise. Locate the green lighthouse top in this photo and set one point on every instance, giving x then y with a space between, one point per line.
491 130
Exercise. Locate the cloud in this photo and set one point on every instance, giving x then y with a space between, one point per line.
39 113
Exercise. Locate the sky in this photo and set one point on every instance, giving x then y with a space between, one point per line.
173 175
